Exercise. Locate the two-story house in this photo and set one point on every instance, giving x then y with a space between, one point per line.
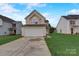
36 25
68 24
9 26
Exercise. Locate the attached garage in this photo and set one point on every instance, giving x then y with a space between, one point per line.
36 26
34 31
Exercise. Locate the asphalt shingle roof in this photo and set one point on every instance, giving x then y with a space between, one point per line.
6 19
71 17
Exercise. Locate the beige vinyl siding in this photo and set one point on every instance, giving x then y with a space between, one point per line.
4 29
63 26
41 19
18 27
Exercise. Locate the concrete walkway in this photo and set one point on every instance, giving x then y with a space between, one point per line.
25 47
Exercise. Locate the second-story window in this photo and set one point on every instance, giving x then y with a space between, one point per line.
14 25
72 22
34 21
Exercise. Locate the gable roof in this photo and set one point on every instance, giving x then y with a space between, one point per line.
6 19
71 17
34 11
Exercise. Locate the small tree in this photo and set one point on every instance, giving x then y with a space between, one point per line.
52 29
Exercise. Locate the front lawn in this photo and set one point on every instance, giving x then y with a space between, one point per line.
63 45
8 38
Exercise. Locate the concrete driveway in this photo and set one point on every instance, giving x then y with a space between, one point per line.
25 47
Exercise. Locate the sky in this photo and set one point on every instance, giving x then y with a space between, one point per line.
51 11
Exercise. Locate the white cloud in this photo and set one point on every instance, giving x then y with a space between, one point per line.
11 12
73 11
36 4
18 15
47 15
52 19
30 5
33 4
7 8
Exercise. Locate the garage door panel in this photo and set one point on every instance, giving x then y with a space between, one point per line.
34 31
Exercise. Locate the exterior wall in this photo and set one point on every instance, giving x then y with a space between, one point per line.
68 27
4 28
63 26
77 22
41 19
18 27
34 31
1 22
76 29
47 29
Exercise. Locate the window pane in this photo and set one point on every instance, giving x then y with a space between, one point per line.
34 21
72 22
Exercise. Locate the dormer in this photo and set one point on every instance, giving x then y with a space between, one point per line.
35 18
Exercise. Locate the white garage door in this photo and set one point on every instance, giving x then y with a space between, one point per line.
34 31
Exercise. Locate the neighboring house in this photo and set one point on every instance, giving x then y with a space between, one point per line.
9 26
68 24
36 25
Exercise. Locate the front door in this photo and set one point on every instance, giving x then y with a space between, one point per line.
71 30
14 31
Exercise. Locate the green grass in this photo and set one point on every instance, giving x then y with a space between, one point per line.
8 38
63 44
